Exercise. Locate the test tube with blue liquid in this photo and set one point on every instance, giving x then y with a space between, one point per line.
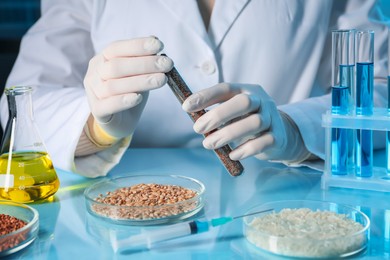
364 100
343 68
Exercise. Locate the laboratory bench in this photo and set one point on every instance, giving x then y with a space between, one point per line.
68 231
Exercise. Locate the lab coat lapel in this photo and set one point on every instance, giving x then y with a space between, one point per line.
187 12
224 14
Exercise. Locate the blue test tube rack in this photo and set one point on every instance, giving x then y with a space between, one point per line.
380 179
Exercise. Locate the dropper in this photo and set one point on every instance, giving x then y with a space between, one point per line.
149 237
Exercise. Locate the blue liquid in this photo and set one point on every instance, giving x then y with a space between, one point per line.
342 146
364 106
364 88
341 96
388 133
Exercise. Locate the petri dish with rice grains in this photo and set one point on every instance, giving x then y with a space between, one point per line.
145 199
307 229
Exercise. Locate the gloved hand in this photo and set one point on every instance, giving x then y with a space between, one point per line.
118 80
247 116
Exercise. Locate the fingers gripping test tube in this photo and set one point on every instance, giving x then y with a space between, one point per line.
182 92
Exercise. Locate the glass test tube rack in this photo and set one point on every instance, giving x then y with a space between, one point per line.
378 121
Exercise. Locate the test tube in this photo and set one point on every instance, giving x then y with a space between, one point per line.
388 103
343 67
364 99
182 92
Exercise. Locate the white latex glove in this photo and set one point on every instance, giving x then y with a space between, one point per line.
247 116
118 80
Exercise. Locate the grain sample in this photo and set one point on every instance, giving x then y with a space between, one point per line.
182 92
146 201
305 233
9 224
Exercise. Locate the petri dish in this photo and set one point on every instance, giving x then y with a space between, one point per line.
21 238
307 229
144 214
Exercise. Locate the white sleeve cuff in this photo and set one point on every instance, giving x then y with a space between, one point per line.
100 163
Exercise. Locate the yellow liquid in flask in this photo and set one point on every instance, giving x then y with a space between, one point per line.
34 177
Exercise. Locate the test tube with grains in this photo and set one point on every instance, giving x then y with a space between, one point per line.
182 92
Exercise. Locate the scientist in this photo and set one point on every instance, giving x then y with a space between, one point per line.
261 67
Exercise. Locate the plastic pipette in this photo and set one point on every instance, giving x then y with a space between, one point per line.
148 238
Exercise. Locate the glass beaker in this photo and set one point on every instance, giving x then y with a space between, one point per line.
26 170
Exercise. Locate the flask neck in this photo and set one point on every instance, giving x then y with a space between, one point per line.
20 103
20 132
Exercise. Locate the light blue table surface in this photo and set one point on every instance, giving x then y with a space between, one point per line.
67 231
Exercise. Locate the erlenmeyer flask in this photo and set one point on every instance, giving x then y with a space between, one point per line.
26 170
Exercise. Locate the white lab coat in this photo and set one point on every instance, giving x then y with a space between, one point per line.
282 45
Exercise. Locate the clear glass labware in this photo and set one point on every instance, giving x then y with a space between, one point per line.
364 100
26 170
343 93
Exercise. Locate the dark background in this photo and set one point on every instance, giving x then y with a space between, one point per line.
16 17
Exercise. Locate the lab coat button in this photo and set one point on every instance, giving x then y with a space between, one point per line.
208 67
